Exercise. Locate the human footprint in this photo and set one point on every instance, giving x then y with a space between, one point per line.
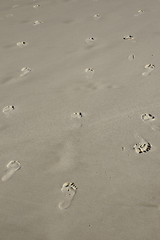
149 68
69 191
12 167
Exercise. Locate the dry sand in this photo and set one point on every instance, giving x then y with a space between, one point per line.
79 120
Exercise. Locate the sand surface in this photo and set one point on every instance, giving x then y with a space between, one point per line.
79 120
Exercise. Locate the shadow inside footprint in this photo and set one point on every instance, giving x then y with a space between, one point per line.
143 146
147 117
69 191
12 167
149 68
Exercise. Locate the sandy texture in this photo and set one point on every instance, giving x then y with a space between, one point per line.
79 120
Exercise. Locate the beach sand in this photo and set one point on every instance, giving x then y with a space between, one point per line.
79 120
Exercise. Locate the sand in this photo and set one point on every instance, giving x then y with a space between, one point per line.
79 120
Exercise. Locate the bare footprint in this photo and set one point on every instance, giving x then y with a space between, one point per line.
12 167
129 37
97 16
131 57
147 117
25 71
89 72
37 23
140 12
69 191
143 146
8 109
22 44
149 68
90 41
36 6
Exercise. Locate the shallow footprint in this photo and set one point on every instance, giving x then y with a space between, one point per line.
149 68
37 23
90 41
131 57
129 37
140 12
25 70
22 44
12 167
8 109
69 191
89 72
147 117
143 146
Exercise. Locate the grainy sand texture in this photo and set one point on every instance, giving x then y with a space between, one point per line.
79 120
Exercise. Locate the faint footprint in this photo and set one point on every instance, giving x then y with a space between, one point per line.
36 6
129 37
77 119
131 57
77 115
140 12
37 23
25 70
12 167
89 72
97 16
69 191
22 44
90 42
8 109
147 117
143 146
149 68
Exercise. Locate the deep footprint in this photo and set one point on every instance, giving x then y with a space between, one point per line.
142 147
149 68
69 190
147 117
12 168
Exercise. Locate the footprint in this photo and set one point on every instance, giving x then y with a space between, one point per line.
36 6
22 44
37 23
140 12
90 41
77 115
97 16
8 109
69 190
143 146
149 68
147 117
131 57
129 37
25 70
12 167
89 72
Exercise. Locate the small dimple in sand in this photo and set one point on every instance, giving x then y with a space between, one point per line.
12 168
142 147
8 109
147 117
149 68
129 37
69 190
22 44
25 70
